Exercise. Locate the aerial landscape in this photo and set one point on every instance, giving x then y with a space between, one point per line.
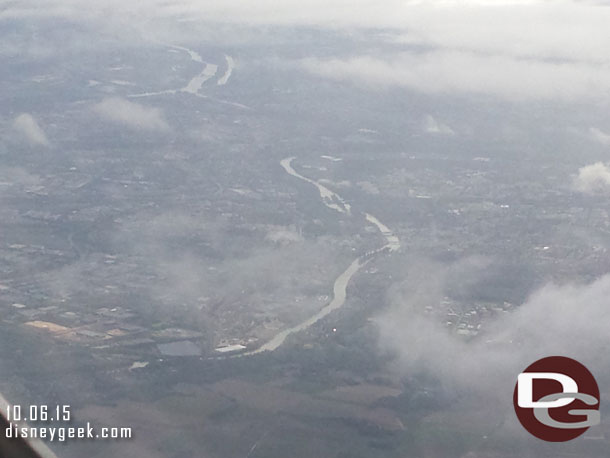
302 230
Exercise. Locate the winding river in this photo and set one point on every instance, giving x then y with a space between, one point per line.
339 296
330 198
195 84
337 203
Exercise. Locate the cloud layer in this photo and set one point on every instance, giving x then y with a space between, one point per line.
514 49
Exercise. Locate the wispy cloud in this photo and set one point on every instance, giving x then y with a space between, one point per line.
30 130
132 115
569 320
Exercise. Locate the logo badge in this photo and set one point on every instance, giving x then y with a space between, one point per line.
556 399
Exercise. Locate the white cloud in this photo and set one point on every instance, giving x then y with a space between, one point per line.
562 30
593 178
132 115
450 72
433 126
28 127
599 136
